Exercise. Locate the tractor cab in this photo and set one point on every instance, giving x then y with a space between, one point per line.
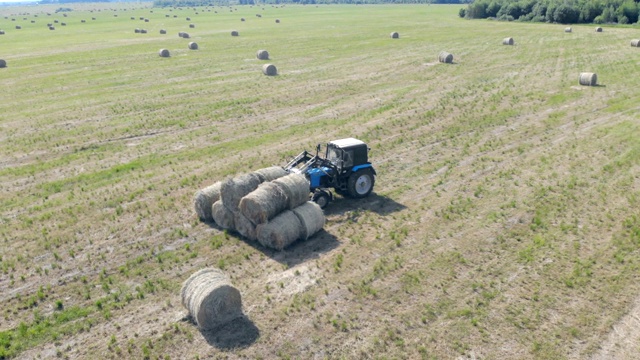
346 153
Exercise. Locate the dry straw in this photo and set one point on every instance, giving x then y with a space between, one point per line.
211 299
295 187
234 189
270 173
244 226
588 79
280 232
445 57
311 219
222 216
203 199
394 35
269 70
264 203
635 43
262 55
193 46
567 29
507 41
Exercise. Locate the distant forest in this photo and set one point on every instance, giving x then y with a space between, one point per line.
161 3
555 11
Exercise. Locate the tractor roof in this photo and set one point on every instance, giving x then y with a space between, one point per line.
348 142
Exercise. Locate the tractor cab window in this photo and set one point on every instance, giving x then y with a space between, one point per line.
334 155
348 159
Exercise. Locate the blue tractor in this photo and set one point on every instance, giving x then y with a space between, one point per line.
345 168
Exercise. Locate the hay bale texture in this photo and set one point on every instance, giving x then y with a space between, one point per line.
588 79
567 29
507 41
3 63
445 57
222 216
203 199
635 43
264 203
193 46
295 187
395 35
270 173
280 232
244 226
234 189
311 219
269 70
210 298
262 55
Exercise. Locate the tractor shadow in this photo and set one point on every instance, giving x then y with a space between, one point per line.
239 333
378 204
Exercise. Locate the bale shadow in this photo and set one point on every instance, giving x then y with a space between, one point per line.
237 334
378 204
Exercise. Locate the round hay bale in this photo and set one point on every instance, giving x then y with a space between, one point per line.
55 21
3 63
52 27
258 15
235 33
311 219
271 173
193 46
175 16
185 35
234 189
277 21
164 53
180 33
141 18
635 43
83 21
262 55
567 29
137 31
507 41
33 21
63 24
395 35
163 31
445 57
167 15
264 203
132 18
588 79
241 19
244 226
18 27
222 216
192 26
143 31
203 199
296 188
211 299
1 32
146 20
269 70
93 18
188 19
280 232
598 29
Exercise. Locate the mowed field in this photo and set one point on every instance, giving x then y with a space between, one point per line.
505 219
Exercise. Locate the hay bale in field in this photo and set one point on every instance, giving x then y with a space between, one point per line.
3 63
507 41
567 29
295 187
192 26
234 189
277 21
244 226
445 57
588 79
33 21
188 19
52 27
270 173
163 31
1 32
175 16
18 27
56 21
167 15
262 55
83 21
280 232
241 19
185 35
193 46
269 70
141 18
394 35
203 199
264 203
164 53
136 30
234 33
63 24
311 219
132 18
635 43
93 18
598 29
222 216
146 20
210 298
143 31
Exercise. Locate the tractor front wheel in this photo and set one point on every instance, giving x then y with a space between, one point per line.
322 198
361 183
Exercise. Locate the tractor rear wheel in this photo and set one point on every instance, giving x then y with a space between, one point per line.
361 183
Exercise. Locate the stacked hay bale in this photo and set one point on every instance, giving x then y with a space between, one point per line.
445 57
211 299
588 79
300 223
507 41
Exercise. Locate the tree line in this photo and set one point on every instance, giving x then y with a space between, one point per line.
165 3
555 11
